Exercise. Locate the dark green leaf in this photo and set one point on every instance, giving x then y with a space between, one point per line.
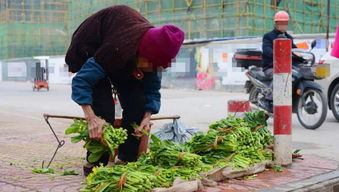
43 171
94 157
69 172
296 151
277 168
76 139
71 130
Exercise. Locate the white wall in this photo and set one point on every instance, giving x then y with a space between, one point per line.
58 70
60 73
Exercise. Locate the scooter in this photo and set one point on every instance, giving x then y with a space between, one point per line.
308 99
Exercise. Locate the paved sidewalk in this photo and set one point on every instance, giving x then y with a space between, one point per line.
311 174
22 153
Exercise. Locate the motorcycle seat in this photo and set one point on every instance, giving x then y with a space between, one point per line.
257 73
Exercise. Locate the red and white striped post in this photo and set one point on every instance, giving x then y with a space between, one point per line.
282 101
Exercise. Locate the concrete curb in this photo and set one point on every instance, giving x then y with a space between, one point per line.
328 182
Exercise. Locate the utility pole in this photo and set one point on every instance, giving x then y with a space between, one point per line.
328 25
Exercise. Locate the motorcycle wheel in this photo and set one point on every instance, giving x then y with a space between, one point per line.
253 98
254 92
334 101
312 109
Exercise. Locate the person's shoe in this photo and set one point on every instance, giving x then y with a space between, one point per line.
120 162
88 169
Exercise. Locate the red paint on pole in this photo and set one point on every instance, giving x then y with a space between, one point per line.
282 120
282 56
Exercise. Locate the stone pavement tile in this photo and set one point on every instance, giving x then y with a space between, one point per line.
66 188
327 182
32 154
48 182
222 187
16 176
32 148
12 173
61 187
45 183
317 162
7 187
72 189
270 178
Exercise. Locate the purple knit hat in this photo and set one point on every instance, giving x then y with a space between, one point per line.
161 44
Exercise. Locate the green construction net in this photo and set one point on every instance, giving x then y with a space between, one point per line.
220 18
33 27
40 27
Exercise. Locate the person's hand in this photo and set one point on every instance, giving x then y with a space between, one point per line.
95 125
145 126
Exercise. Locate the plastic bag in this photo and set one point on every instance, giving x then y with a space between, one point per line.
176 131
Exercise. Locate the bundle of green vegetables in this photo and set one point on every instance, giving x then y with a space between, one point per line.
112 138
119 178
247 138
166 176
135 177
168 154
241 142
165 162
252 120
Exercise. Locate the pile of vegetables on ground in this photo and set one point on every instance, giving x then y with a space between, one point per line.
234 142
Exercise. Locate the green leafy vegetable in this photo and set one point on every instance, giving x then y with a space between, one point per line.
277 168
112 138
297 151
43 171
69 172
